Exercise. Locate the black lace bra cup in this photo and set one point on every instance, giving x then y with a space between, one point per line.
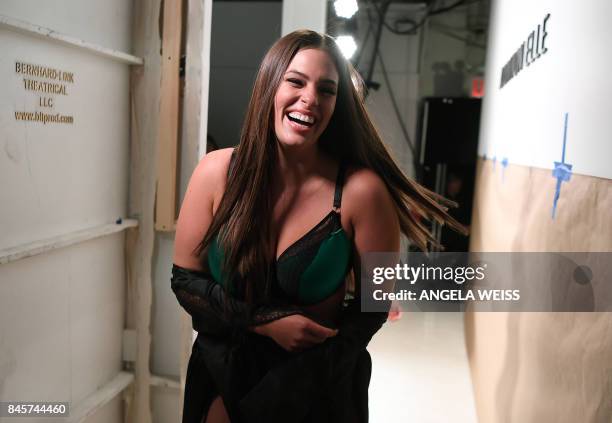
314 266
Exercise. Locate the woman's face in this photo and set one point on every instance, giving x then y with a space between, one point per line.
306 98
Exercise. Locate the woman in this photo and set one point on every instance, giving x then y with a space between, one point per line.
268 234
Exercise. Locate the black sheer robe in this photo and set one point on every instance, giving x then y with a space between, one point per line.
257 379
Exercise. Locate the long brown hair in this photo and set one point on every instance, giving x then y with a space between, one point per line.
242 220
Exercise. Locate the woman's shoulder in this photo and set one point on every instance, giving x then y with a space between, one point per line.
214 165
368 209
210 175
365 196
363 185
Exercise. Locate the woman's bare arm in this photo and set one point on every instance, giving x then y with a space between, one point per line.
371 212
204 192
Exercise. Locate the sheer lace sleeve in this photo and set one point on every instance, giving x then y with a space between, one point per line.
213 310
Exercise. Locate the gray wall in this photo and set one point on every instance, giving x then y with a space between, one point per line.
242 32
400 55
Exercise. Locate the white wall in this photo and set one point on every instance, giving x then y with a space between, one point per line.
524 120
62 313
105 23
304 14
63 177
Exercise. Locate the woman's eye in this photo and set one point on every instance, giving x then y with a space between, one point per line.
328 91
295 82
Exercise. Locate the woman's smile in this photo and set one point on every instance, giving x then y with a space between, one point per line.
302 119
301 122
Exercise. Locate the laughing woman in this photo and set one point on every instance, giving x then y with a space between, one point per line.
269 234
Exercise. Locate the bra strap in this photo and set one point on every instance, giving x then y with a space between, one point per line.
339 184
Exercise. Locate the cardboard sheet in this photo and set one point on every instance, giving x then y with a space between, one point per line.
540 367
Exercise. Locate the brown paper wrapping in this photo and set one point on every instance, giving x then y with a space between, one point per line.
540 367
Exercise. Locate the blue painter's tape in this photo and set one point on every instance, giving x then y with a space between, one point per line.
504 164
562 171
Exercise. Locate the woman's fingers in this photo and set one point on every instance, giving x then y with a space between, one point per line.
309 339
296 332
320 331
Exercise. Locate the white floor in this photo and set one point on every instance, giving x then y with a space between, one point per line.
420 371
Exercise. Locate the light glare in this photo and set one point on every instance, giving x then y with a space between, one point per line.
346 8
347 45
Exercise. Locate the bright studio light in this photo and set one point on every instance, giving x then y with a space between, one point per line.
346 8
347 45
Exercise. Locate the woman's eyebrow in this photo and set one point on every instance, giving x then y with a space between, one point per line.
303 75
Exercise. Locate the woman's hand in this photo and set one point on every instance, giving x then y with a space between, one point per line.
296 332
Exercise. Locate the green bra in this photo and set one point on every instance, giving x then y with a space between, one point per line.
314 266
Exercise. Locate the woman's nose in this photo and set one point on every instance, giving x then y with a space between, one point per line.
310 97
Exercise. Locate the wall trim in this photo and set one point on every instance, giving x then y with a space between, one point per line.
34 248
52 35
91 404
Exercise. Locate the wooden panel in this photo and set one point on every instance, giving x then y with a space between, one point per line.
165 206
145 111
195 128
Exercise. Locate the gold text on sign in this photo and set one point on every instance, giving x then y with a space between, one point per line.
45 102
44 87
45 72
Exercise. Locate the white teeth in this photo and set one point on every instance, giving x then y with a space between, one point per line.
303 118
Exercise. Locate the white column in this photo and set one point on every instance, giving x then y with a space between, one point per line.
304 14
